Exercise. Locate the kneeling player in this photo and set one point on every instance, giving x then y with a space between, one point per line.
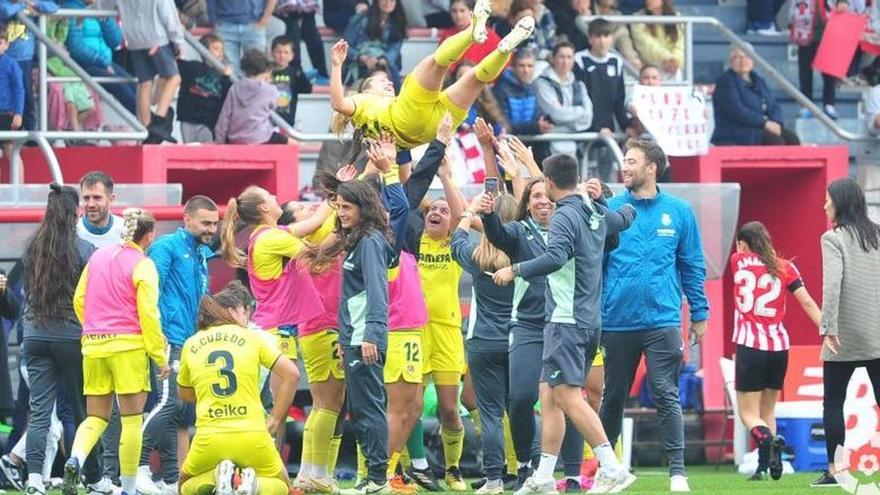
220 371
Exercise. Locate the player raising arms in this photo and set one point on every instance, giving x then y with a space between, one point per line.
413 116
761 339
117 301
220 371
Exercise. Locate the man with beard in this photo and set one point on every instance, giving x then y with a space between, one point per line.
181 260
660 256
97 225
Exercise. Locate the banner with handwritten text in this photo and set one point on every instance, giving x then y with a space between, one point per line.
675 116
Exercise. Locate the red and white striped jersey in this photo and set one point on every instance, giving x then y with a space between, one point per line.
760 302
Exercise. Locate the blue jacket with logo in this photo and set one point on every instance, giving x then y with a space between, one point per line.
659 256
182 264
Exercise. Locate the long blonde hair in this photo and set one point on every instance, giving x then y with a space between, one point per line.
245 208
488 257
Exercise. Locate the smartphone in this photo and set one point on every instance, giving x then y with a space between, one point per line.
490 185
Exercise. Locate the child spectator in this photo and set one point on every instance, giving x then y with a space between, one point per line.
602 74
73 104
375 39
299 21
202 91
154 37
288 78
11 91
244 118
91 42
623 42
21 47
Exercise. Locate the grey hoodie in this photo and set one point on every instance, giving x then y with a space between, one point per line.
567 104
244 118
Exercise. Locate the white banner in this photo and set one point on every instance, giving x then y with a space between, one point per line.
675 116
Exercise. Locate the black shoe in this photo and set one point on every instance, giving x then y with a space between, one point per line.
424 478
509 481
758 476
522 474
775 463
826 480
160 129
476 485
572 486
13 473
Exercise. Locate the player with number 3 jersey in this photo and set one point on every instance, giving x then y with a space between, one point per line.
760 278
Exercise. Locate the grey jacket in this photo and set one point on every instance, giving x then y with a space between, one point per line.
363 311
850 284
147 23
245 116
567 104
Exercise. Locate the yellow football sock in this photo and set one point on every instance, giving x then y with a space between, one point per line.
307 445
453 443
130 440
491 66
362 464
200 484
588 452
272 486
618 449
322 433
87 435
452 49
393 459
333 455
478 423
404 458
509 450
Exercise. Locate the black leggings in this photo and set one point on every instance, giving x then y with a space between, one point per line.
837 375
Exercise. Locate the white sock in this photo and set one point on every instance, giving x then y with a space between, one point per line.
80 457
605 455
145 471
318 471
546 466
306 470
36 479
129 483
420 463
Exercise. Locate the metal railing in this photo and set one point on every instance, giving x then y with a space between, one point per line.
771 71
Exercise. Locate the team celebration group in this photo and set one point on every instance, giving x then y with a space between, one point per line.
571 286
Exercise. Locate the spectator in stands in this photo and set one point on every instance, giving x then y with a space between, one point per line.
661 45
299 19
602 74
427 13
154 38
91 41
516 95
648 76
242 26
98 226
544 37
21 46
807 19
746 113
245 116
460 11
567 15
623 42
71 105
288 78
338 13
52 262
563 98
375 39
761 17
486 106
202 91
12 94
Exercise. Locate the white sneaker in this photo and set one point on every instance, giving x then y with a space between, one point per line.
536 485
368 488
679 483
482 11
492 487
168 488
611 481
144 482
248 484
324 484
223 478
103 487
521 32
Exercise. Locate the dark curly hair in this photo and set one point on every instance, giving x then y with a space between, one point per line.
372 213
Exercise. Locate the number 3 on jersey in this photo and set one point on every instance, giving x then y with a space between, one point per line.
227 383
747 284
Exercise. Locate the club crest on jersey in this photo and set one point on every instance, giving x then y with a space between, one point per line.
666 230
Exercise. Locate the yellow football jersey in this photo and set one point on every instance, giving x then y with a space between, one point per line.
272 250
222 364
441 273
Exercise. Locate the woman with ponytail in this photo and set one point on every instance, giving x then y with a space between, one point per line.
117 302
51 265
233 451
759 277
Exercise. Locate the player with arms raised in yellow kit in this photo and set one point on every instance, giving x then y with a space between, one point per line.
233 451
